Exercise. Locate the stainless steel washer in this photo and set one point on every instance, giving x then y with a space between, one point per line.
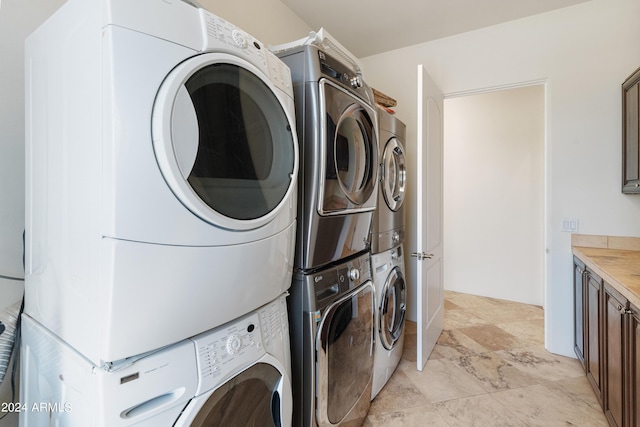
332 347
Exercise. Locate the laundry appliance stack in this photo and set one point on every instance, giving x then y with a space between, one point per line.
387 259
331 306
161 193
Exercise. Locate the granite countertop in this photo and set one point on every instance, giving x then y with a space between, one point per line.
615 260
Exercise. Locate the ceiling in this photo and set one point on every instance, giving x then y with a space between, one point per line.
368 27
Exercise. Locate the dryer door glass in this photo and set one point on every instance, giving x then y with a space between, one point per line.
224 141
350 163
346 354
249 399
244 163
394 175
392 309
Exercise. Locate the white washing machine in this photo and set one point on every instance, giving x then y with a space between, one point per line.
390 312
161 175
236 375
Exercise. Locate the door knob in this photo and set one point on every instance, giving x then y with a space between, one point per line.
421 255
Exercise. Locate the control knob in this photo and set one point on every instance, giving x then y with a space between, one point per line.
395 237
239 39
356 82
354 274
234 344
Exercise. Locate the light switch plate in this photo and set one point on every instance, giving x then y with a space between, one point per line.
569 225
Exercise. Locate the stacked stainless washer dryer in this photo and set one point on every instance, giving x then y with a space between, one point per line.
387 254
331 306
161 196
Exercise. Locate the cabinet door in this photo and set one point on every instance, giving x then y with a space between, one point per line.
594 293
634 367
631 134
578 310
615 308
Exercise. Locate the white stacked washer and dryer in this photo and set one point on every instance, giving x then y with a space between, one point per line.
161 193
331 306
387 255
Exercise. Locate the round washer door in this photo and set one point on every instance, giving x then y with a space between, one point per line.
260 395
344 355
394 174
224 141
392 310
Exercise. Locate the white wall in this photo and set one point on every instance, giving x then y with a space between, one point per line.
584 52
494 194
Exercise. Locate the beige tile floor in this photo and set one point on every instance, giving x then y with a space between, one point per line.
488 368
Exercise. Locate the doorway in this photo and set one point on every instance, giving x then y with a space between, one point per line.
494 169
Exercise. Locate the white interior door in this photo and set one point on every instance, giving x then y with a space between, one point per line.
426 256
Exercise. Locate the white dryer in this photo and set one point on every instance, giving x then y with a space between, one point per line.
390 313
161 175
236 375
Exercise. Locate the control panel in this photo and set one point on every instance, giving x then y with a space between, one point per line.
334 281
340 73
229 348
220 35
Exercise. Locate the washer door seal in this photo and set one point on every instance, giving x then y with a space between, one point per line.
394 175
392 309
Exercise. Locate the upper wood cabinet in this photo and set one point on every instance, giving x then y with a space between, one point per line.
630 134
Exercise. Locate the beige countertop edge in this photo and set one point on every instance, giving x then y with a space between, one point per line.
590 255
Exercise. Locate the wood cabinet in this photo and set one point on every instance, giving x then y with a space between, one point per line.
593 333
634 366
607 343
579 320
631 134
587 291
615 309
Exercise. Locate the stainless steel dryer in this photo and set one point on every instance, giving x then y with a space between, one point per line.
387 229
331 314
338 138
